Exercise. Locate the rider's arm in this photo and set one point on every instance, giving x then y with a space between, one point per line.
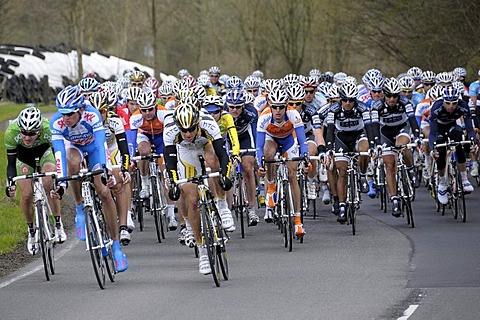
260 144
11 164
123 147
432 138
302 139
330 137
170 155
222 156
232 133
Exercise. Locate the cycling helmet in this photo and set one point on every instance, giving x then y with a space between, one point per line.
406 83
351 79
186 115
88 84
235 97
459 86
147 100
200 93
249 98
370 74
434 93
182 73
376 83
166 89
223 78
107 86
203 73
258 74
278 97
152 83
428 76
309 82
460 72
444 77
295 92
30 120
391 86
415 73
124 81
332 92
339 78
69 100
189 81
450 94
314 73
183 93
214 70
271 85
234 82
290 79
98 101
348 90
204 80
327 76
213 100
324 87
132 93
137 77
251 83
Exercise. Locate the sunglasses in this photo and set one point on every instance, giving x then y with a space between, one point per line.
295 103
451 102
29 133
165 97
214 75
428 84
215 112
349 99
407 91
389 95
309 91
147 110
252 90
376 91
278 107
137 83
188 130
235 106
68 114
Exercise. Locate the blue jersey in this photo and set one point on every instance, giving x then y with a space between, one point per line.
417 97
88 135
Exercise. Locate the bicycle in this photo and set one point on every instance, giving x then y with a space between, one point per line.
240 202
353 198
44 220
456 193
283 211
138 204
98 240
214 238
404 186
158 204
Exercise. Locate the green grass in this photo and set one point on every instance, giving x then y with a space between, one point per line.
13 230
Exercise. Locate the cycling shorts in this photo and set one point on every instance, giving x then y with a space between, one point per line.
24 168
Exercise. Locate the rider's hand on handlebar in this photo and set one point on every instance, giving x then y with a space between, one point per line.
58 192
125 176
261 171
10 189
235 160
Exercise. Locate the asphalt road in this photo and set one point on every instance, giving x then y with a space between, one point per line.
377 274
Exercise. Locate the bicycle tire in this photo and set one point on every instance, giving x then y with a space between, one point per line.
163 203
240 206
303 199
289 221
41 238
222 249
383 194
95 249
108 260
156 208
460 207
352 210
51 242
408 192
208 242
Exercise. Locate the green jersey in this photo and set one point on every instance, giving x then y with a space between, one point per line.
13 139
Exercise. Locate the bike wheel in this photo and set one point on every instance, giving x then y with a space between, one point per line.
460 207
302 183
289 228
383 192
351 207
42 239
222 251
241 204
163 206
107 241
156 208
50 235
408 192
94 247
209 242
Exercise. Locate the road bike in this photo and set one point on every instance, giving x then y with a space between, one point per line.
214 237
98 240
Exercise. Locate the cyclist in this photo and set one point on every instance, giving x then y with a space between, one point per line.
443 124
281 129
166 93
118 150
396 117
474 103
204 81
214 73
311 121
416 74
137 79
77 128
147 126
189 135
26 138
88 86
407 86
313 97
245 118
125 112
347 122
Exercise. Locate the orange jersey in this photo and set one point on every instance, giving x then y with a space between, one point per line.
153 127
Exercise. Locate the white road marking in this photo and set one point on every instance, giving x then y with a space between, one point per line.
407 313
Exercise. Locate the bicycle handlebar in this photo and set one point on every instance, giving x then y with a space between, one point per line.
451 144
82 174
147 157
35 175
198 178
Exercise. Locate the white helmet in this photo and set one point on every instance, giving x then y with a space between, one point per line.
30 119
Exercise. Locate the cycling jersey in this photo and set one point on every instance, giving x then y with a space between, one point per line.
282 133
310 120
116 140
442 121
124 113
395 116
363 93
229 132
318 101
17 150
260 102
151 129
474 90
87 135
416 98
